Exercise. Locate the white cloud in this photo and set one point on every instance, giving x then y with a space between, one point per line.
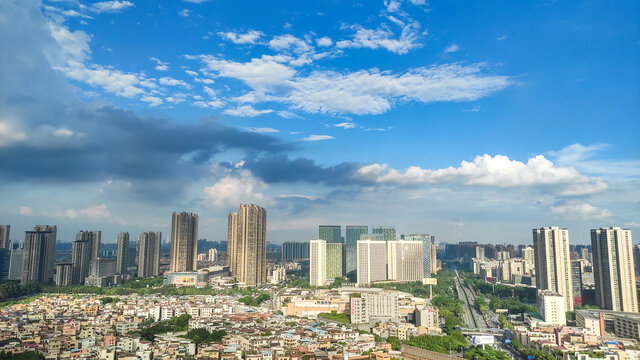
288 115
362 92
392 5
288 41
263 130
169 81
161 65
580 210
110 6
318 137
234 189
491 171
74 44
345 125
73 13
10 132
195 1
583 158
184 12
246 111
113 81
452 48
576 152
96 211
25 210
250 37
324 41
152 100
63 132
384 38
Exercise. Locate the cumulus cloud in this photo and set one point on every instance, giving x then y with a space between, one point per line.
384 38
452 48
250 37
160 65
318 137
110 6
246 111
236 188
580 210
324 41
169 81
491 171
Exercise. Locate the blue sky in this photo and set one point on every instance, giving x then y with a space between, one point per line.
471 121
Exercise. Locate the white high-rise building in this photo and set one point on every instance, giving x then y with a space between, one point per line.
213 255
529 259
551 306
553 262
404 261
317 262
614 269
372 261
370 306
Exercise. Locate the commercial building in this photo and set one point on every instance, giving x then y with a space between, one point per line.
553 262
184 242
334 260
122 253
405 260
551 306
367 307
352 235
429 265
614 269
330 233
317 262
372 261
149 254
247 242
388 232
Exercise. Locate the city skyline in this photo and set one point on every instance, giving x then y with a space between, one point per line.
296 112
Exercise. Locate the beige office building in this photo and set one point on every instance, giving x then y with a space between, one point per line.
247 244
372 261
613 269
184 242
553 262
149 254
317 262
404 260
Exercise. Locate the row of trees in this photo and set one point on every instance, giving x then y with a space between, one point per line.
12 290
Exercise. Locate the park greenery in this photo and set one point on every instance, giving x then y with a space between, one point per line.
254 301
10 291
27 355
175 324
203 336
488 353
334 316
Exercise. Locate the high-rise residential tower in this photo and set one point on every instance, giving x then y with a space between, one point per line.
317 262
149 254
247 244
553 262
15 263
352 235
81 256
122 253
372 261
614 269
184 242
35 256
4 236
93 236
50 253
330 233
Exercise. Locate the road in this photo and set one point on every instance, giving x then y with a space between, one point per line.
472 317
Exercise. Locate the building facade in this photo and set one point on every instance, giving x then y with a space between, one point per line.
4 236
95 238
551 306
247 242
352 235
81 252
50 253
317 262
36 256
295 251
184 242
388 232
614 269
405 260
330 233
372 261
334 260
149 254
122 253
553 262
